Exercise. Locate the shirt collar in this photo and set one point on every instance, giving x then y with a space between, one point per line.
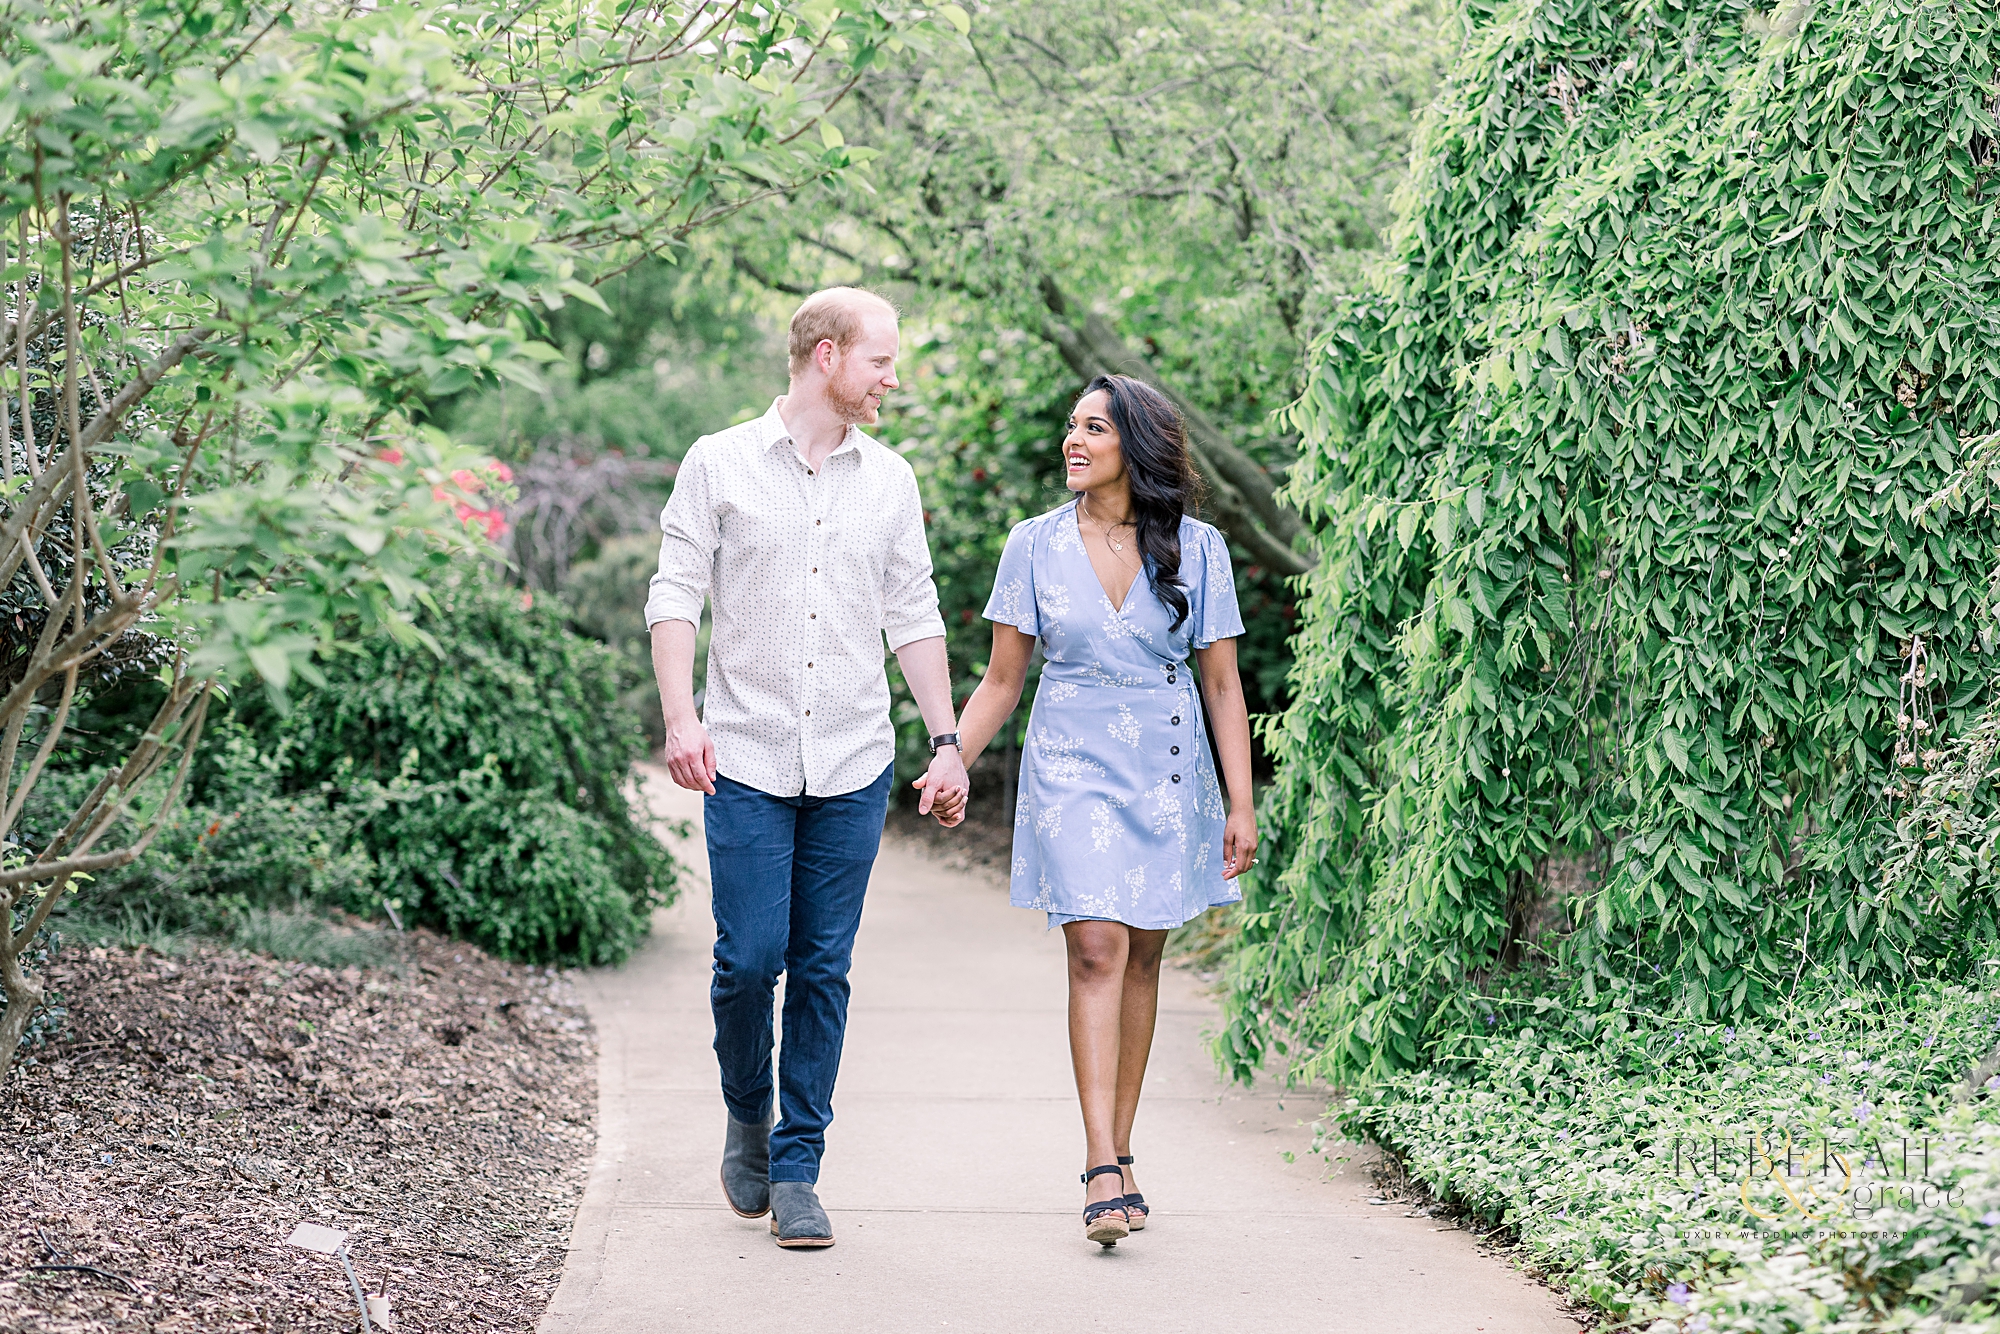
775 432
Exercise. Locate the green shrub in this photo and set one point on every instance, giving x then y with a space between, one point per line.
519 873
483 791
1620 1164
1621 475
489 785
606 597
240 842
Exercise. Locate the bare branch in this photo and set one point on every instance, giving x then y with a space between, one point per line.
109 623
41 575
51 488
42 753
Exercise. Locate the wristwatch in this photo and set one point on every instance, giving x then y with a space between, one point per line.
938 743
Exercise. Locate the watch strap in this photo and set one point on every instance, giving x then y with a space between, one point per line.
942 740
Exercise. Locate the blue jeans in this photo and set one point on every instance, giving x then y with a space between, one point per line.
789 874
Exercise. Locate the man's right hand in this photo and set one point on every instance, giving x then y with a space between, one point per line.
691 755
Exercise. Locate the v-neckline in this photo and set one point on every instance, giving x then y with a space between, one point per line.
1117 608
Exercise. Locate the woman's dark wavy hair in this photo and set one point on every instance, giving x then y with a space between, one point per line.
1153 438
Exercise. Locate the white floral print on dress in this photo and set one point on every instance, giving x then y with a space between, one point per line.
1121 807
1125 727
1065 759
1104 828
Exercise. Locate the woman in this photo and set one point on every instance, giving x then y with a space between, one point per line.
1120 833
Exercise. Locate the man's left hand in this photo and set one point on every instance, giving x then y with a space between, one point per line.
944 787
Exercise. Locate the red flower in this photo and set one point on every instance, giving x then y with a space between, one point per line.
467 480
493 521
502 471
390 455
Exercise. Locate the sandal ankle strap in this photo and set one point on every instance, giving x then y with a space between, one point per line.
1124 1160
1098 1172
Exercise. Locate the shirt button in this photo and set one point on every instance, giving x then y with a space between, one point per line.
809 664
809 713
1177 778
812 615
1177 750
816 523
815 569
809 472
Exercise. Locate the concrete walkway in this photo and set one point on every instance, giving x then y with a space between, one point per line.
951 1165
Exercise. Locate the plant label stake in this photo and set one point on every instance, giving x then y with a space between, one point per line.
331 1241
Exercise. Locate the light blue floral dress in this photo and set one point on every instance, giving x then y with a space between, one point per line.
1120 814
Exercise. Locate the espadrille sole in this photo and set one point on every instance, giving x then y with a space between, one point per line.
800 1243
1106 1230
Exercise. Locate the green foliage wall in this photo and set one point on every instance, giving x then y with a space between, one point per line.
1690 308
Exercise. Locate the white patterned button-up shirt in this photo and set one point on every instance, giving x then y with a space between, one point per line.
808 569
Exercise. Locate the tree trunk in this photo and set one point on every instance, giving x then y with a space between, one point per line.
1246 502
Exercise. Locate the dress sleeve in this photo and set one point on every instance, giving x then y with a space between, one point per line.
1013 600
1213 592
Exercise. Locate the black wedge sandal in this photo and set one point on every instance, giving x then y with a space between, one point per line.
1135 1203
1105 1222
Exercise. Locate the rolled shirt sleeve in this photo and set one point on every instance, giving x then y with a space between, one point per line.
909 596
688 539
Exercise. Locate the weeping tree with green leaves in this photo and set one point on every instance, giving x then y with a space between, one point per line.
1170 191
241 246
1174 192
1634 635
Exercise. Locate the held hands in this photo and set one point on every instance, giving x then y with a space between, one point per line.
944 787
1239 843
690 755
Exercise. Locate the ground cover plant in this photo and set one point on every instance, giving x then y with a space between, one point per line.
1635 634
1832 1165
242 246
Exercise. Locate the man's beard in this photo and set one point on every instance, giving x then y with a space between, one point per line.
849 404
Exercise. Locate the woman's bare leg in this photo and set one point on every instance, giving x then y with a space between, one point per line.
1139 1008
1097 966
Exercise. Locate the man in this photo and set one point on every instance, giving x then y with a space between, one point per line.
808 537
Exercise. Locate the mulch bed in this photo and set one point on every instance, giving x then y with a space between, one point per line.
194 1108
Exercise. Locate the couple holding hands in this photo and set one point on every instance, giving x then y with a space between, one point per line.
807 537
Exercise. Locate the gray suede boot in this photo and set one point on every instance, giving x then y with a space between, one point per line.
746 1167
797 1221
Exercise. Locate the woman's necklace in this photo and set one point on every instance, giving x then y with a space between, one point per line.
1109 540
